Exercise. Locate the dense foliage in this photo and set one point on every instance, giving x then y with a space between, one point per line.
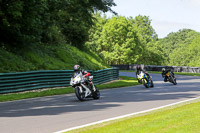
121 40
25 22
181 48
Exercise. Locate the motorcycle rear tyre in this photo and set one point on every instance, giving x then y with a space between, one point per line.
151 83
96 94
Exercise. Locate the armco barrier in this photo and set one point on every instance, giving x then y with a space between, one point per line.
159 68
24 81
106 75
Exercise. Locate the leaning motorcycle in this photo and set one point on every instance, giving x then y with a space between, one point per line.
82 90
145 80
171 78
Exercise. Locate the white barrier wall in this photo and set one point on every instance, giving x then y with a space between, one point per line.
159 68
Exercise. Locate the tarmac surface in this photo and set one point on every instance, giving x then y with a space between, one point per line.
56 113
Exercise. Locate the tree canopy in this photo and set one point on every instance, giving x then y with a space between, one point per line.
179 47
121 40
25 22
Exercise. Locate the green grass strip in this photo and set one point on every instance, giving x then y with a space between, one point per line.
177 119
189 74
123 82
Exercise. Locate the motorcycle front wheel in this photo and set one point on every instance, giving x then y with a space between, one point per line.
145 83
79 95
174 81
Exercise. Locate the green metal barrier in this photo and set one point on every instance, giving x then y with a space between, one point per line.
24 81
106 75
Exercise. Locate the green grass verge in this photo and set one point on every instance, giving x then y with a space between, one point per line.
124 81
189 74
177 73
177 119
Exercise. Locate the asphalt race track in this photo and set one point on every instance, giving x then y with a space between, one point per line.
55 113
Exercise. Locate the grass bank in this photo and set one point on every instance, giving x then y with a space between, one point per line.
48 57
122 82
176 119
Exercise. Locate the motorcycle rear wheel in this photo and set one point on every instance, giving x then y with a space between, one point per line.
96 94
151 83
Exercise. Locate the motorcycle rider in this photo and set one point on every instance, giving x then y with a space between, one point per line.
164 72
77 70
139 70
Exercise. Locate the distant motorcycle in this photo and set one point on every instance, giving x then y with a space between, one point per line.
82 90
171 78
145 80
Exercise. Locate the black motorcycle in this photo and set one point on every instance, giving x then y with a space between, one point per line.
171 78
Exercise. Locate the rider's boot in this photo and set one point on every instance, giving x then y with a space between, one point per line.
165 79
91 87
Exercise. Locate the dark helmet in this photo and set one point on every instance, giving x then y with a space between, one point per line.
77 68
163 69
138 67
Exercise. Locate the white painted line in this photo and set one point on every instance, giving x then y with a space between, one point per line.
114 118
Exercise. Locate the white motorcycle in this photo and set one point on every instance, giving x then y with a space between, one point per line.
145 80
82 90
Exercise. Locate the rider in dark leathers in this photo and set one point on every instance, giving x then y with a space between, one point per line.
164 72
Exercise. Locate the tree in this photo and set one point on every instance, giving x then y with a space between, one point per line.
74 17
177 47
121 40
188 55
95 31
143 23
151 52
21 21
25 22
117 41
